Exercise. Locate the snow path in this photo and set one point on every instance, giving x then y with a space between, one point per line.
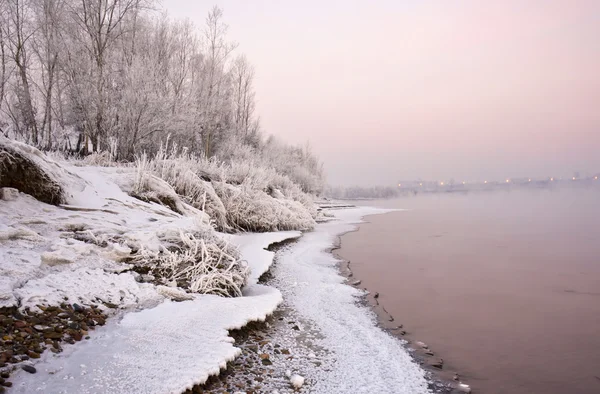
367 360
166 349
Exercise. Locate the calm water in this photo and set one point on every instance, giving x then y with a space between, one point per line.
504 286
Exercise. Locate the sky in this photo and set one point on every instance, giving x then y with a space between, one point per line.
394 90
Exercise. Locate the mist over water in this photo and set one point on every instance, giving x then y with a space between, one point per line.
504 286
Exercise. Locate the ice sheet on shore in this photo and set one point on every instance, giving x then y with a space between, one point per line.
166 349
367 360
253 248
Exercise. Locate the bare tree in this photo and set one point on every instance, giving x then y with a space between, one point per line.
243 92
18 31
213 96
46 47
3 59
100 21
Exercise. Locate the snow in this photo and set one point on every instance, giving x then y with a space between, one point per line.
164 339
366 359
251 246
166 349
85 285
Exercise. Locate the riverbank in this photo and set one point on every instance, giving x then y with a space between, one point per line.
119 250
330 337
441 380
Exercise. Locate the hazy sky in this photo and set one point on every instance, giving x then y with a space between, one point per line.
389 90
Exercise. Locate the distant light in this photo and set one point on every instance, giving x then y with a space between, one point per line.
596 178
399 185
551 179
464 182
442 183
420 184
573 178
529 179
508 180
485 182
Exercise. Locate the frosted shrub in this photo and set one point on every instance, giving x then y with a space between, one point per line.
252 210
237 196
200 262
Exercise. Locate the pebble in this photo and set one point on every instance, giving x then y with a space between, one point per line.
421 344
28 368
439 363
297 381
27 335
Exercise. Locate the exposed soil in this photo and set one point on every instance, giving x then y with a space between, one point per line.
27 335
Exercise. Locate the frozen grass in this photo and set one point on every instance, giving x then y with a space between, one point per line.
201 262
240 196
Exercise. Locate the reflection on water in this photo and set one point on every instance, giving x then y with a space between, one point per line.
504 286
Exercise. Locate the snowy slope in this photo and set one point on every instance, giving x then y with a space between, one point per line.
73 251
41 246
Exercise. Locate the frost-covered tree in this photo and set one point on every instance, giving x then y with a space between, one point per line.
100 25
96 75
18 31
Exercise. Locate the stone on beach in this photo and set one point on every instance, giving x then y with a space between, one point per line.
297 381
422 344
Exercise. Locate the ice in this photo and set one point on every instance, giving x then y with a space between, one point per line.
252 246
166 349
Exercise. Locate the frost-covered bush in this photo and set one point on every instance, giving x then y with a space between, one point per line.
241 195
254 210
184 174
201 262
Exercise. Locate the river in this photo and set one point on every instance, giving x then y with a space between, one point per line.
504 286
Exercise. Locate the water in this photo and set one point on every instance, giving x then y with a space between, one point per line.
504 286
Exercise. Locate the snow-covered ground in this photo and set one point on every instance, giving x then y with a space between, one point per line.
73 253
166 349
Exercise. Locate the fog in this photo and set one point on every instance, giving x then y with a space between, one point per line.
394 90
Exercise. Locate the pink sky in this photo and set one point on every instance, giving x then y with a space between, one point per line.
392 90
